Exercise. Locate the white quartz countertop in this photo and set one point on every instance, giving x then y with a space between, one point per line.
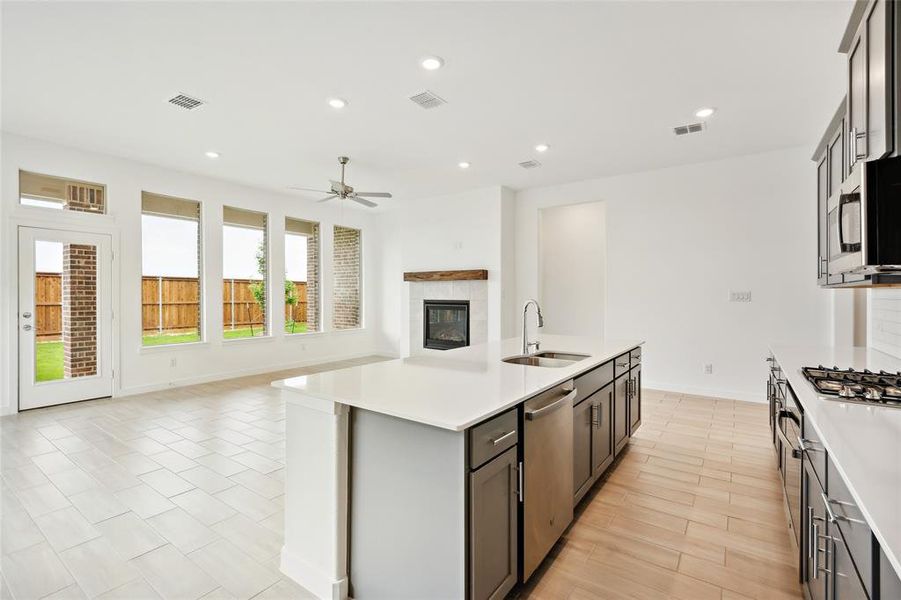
864 442
455 389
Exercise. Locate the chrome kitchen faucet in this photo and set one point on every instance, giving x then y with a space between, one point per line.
526 344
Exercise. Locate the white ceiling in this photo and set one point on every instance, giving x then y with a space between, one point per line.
602 83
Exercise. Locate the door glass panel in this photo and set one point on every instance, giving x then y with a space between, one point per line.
65 305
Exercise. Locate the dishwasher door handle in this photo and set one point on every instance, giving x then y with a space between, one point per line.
532 414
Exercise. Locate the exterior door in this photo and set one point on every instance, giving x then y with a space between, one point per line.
64 317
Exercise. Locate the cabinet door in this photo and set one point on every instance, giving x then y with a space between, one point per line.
870 85
822 218
879 138
634 400
583 417
857 101
814 546
620 413
844 582
602 434
493 527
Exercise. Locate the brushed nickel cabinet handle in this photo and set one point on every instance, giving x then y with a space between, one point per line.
500 440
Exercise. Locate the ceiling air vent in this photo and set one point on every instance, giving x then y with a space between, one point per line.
690 128
428 99
186 102
530 164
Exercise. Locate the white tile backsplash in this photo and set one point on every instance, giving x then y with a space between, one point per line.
474 291
885 320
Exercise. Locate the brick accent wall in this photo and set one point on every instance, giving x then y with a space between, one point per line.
313 280
79 310
346 293
85 197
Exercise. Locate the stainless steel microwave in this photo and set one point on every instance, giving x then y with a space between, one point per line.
864 221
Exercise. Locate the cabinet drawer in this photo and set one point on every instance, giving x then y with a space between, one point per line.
889 581
635 357
815 450
492 437
850 522
621 364
590 382
844 581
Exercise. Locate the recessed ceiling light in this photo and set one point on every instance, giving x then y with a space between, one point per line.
463 164
432 63
703 113
337 102
541 148
212 154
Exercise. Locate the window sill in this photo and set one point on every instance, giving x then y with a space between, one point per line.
304 334
348 330
162 348
248 340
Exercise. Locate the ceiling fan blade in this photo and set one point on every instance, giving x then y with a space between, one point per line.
374 194
303 189
363 201
327 198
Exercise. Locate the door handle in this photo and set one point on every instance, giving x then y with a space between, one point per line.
27 327
532 414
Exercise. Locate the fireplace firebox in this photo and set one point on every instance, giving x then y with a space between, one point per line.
445 324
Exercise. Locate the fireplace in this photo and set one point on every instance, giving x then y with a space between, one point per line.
445 324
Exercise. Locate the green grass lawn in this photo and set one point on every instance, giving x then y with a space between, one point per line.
49 355
49 361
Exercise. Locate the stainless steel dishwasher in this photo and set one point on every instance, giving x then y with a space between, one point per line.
548 472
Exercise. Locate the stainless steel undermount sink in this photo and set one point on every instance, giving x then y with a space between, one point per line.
546 359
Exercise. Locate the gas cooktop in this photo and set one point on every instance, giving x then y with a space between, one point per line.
862 387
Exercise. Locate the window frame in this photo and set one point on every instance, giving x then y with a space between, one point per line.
201 280
319 300
360 278
267 278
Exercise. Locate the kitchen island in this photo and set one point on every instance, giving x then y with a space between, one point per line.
416 478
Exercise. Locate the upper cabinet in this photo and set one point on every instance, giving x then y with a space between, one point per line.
869 45
865 128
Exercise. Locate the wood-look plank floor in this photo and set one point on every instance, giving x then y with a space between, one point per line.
692 510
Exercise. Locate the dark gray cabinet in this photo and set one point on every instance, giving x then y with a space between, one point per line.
602 434
592 440
822 213
620 413
870 84
493 535
583 425
634 390
815 547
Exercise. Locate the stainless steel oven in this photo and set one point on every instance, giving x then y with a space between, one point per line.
788 432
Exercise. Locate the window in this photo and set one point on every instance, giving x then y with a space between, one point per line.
170 268
45 191
245 282
347 269
301 276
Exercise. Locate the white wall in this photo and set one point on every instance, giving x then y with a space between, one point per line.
141 369
457 231
885 320
573 268
678 240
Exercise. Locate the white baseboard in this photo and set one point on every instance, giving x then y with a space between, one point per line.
306 575
759 397
235 374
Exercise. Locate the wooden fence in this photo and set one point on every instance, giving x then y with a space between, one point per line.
169 304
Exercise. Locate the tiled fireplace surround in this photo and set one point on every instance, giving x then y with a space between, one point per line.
475 291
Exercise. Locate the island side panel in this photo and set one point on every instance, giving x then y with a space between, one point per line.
408 509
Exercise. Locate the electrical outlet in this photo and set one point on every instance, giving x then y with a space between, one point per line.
740 296
708 369
173 362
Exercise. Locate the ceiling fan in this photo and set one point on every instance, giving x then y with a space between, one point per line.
342 190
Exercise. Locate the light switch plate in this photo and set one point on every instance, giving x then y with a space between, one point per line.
740 296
